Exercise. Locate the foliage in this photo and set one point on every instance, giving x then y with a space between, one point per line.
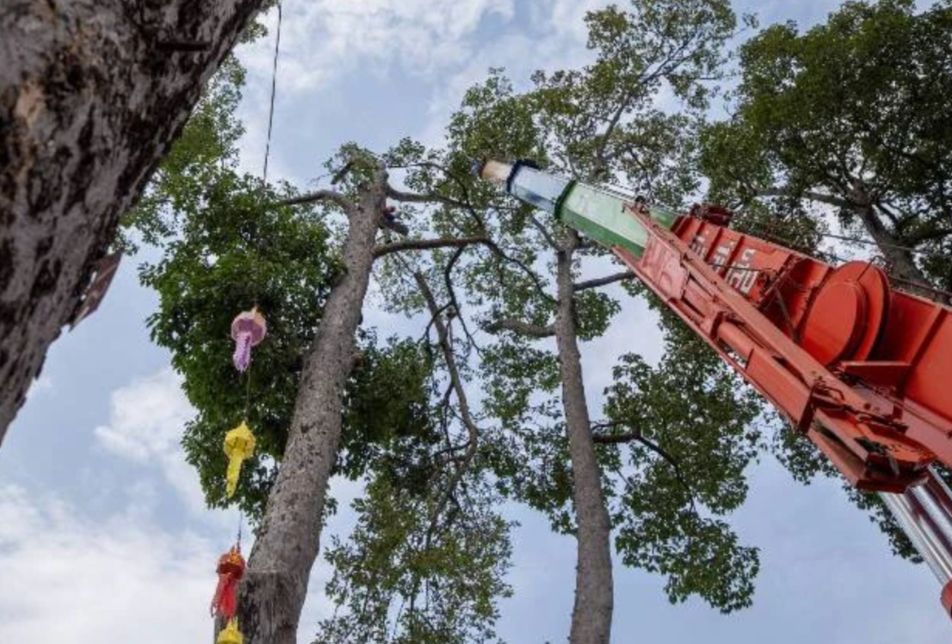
598 122
695 438
227 242
851 113
227 245
404 580
236 251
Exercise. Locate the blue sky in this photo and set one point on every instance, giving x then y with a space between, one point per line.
103 536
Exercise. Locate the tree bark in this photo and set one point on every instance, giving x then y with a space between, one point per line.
592 612
92 93
901 263
275 585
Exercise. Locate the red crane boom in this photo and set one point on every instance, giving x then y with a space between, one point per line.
862 369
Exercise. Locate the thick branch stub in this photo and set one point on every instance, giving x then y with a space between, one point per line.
616 439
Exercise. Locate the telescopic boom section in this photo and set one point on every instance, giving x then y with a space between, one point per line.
861 369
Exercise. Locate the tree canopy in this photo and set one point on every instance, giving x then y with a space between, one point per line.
849 114
485 403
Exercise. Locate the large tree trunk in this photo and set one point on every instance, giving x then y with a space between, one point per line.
592 612
900 261
275 585
92 92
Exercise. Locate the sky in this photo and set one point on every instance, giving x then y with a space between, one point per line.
103 531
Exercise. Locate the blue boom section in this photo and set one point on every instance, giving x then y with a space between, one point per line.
540 189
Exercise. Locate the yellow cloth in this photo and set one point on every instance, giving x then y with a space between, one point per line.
230 634
239 445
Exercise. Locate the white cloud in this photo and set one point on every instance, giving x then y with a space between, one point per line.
324 39
556 40
69 579
72 578
146 421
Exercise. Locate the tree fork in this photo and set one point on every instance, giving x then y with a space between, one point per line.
91 98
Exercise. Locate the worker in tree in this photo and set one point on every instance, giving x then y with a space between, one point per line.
390 221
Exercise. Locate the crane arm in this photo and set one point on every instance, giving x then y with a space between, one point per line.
859 368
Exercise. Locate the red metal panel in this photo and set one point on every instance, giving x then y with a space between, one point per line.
930 378
849 319
858 428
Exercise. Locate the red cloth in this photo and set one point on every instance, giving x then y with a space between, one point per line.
231 567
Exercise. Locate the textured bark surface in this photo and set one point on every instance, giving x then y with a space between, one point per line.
92 92
900 261
592 612
275 585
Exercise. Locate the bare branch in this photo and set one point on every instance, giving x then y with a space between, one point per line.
427 244
412 197
615 439
782 191
544 232
469 423
321 195
448 280
494 247
636 435
603 281
521 327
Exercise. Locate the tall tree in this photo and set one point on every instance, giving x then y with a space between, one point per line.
850 116
91 96
598 122
229 241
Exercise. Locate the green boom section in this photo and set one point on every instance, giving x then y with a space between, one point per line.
602 216
596 212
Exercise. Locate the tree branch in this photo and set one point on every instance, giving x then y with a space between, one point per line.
472 430
521 327
636 435
545 233
603 281
448 281
783 191
412 197
321 195
427 244
615 439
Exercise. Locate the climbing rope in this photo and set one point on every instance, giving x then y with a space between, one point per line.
274 86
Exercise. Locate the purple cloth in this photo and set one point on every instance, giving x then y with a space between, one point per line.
242 357
247 329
